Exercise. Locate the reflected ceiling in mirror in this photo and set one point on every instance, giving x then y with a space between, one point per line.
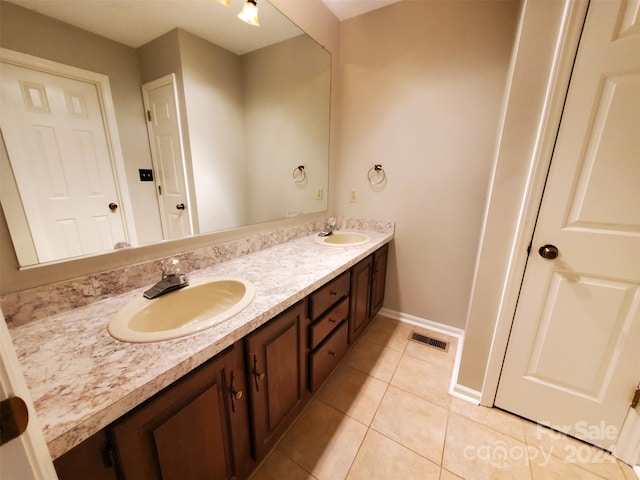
251 107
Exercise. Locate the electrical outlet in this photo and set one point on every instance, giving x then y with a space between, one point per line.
319 194
354 196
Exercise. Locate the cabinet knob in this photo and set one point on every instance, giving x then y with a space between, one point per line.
333 354
331 292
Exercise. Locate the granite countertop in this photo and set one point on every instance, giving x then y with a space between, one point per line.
81 379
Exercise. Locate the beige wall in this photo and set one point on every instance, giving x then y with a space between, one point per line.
212 85
277 89
421 90
241 144
321 24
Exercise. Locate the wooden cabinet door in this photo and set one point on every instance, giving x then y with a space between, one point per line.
276 361
238 409
378 282
183 433
359 302
90 459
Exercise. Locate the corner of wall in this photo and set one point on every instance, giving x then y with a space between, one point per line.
547 41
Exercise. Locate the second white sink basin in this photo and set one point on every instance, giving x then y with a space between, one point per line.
340 238
204 303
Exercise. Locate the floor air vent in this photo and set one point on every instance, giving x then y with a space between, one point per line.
432 342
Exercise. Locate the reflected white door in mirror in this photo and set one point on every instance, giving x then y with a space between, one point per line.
61 157
167 153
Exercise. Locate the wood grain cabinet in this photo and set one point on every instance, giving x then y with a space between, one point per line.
328 333
91 459
378 279
360 297
368 283
277 375
196 428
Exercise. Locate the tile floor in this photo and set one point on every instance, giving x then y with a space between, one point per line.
385 413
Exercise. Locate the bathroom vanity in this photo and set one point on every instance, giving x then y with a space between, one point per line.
213 404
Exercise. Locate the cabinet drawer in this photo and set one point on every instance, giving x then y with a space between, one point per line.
326 356
323 327
323 298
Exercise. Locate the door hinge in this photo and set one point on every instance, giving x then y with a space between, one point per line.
529 248
159 189
636 398
107 455
149 115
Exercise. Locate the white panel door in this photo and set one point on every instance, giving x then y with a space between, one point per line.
573 359
55 137
168 156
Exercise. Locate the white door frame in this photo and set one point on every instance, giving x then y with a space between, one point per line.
103 89
27 454
574 14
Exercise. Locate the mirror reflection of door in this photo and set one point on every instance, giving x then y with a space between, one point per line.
60 158
167 152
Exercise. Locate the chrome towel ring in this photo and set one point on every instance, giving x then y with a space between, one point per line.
376 175
299 174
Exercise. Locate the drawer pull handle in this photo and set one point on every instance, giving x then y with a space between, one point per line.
333 354
257 376
331 292
331 320
235 394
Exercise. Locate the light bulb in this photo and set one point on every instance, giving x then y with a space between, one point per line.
249 13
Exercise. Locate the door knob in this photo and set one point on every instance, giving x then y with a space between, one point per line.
180 206
548 251
14 417
113 206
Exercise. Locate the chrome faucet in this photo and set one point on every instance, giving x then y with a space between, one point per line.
171 279
329 227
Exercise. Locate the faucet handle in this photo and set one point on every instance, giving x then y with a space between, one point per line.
170 266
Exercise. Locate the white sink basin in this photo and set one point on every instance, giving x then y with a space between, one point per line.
204 303
340 238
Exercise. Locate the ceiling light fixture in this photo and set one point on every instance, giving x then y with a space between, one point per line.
249 13
226 3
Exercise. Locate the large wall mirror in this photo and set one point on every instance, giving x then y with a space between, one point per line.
128 122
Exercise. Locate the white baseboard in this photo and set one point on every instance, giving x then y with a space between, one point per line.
455 390
464 393
423 322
